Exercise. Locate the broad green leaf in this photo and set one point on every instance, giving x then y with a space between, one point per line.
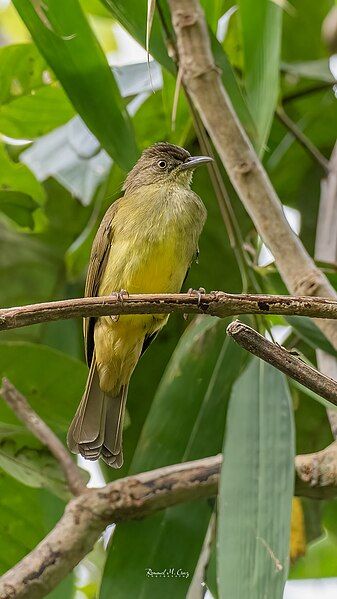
27 515
240 104
133 17
256 486
261 37
38 263
31 104
19 207
20 527
213 11
52 382
310 333
319 561
24 458
35 272
22 70
71 49
302 37
186 421
34 115
17 177
95 7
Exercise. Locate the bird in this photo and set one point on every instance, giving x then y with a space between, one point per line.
146 243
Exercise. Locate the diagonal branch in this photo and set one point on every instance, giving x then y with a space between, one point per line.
282 359
20 406
216 303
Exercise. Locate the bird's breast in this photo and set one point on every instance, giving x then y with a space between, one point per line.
153 244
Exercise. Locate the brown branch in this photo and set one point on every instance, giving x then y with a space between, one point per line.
216 303
203 82
86 516
18 403
282 359
316 473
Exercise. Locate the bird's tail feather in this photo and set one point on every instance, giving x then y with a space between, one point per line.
97 427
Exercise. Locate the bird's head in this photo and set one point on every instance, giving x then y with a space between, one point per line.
163 163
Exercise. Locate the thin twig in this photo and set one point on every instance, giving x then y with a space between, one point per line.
20 406
216 303
303 140
278 356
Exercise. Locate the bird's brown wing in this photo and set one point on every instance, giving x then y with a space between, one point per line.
99 255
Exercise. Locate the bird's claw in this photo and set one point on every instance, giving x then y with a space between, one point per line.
120 296
198 292
195 292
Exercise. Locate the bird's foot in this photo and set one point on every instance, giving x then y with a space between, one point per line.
120 296
198 293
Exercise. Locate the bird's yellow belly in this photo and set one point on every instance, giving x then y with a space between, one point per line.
150 268
154 268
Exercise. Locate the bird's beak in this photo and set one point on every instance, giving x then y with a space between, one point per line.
195 161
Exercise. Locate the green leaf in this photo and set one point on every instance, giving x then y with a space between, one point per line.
310 333
261 36
302 36
31 116
52 382
19 207
37 260
71 49
256 486
22 70
133 17
320 559
31 104
17 177
27 515
24 458
233 89
213 11
186 421
20 528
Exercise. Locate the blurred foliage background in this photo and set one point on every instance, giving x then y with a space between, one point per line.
76 109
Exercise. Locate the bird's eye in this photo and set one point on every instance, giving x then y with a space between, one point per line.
162 163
